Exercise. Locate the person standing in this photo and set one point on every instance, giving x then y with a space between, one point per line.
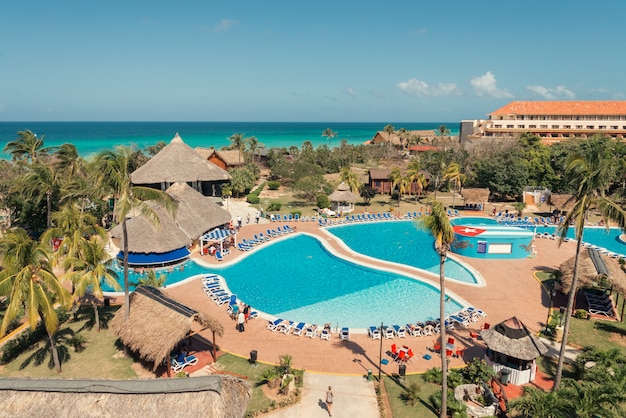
239 221
248 218
240 321
329 401
257 216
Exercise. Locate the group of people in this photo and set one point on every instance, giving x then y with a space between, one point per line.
240 312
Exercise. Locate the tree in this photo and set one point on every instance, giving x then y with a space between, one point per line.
29 282
329 134
42 182
389 129
254 145
242 179
88 269
438 224
27 147
68 161
350 178
396 178
416 176
238 142
114 175
310 186
453 173
442 131
367 192
590 173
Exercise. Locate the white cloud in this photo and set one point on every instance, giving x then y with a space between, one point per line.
225 24
421 88
559 92
350 91
485 85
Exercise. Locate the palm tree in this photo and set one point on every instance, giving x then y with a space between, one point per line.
438 224
26 147
453 173
130 199
88 269
415 175
254 145
41 182
590 173
396 178
403 134
350 178
29 282
238 142
69 162
389 129
443 131
329 134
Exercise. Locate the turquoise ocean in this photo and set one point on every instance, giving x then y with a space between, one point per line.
91 137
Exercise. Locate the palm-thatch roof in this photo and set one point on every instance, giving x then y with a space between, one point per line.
143 237
511 337
475 195
158 323
177 161
206 396
195 215
394 138
232 157
342 194
562 202
590 272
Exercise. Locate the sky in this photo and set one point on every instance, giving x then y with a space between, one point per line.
289 61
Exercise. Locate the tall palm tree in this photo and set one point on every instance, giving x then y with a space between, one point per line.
396 178
88 269
329 134
29 282
453 173
130 200
41 182
238 142
442 131
350 178
590 173
438 224
26 147
68 160
415 175
254 144
389 129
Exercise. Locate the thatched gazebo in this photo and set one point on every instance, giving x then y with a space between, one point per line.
207 396
176 162
342 199
511 347
475 197
157 324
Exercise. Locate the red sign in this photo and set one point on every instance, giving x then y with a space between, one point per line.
467 231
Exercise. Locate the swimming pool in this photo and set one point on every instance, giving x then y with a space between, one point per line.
402 242
297 278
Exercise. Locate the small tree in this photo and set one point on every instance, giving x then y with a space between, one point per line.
367 192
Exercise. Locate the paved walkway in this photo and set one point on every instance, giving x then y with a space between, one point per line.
354 397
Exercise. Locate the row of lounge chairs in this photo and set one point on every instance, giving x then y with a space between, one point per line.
212 287
307 330
600 304
249 244
463 318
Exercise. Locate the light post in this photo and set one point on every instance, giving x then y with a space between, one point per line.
380 357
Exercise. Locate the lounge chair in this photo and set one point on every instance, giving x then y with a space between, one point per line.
178 364
460 320
478 312
373 333
388 333
297 330
243 247
414 330
274 324
427 330
399 331
344 335
218 255
325 334
286 327
311 331
601 311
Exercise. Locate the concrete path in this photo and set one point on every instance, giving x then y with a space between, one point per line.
354 397
554 349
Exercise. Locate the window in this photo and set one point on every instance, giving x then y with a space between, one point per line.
497 126
590 127
567 126
602 127
509 126
555 126
543 126
532 126
614 127
579 126
520 126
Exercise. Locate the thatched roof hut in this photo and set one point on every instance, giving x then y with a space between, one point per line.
207 396
157 324
195 215
342 194
512 338
475 195
562 202
176 162
382 137
590 272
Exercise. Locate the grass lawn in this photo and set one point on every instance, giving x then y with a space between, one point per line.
400 409
598 333
100 358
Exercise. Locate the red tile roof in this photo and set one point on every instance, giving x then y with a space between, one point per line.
563 108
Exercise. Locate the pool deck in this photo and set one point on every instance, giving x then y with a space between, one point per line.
511 290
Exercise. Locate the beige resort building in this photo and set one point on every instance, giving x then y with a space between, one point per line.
552 121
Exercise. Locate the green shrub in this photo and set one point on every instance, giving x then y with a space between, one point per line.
581 314
273 185
274 207
394 196
322 201
253 199
296 212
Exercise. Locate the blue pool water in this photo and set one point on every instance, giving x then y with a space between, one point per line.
401 242
298 279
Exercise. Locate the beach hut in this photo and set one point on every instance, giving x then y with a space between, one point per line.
225 159
512 350
157 325
206 396
342 199
475 198
594 268
178 162
168 244
562 202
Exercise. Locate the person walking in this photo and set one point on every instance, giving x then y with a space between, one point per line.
239 221
257 216
329 401
248 218
240 321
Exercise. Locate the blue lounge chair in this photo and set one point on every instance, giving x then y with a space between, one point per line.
399 331
274 324
344 335
218 255
297 330
243 247
373 333
296 217
285 327
325 334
